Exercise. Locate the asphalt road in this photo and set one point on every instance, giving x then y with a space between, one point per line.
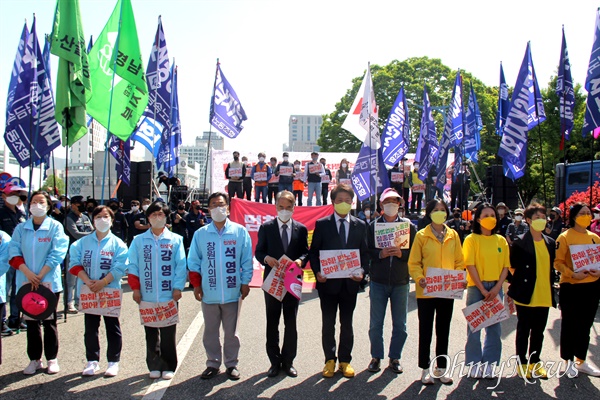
133 381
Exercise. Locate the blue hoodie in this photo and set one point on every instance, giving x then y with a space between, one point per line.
4 241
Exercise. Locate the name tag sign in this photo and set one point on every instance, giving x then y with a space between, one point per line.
336 264
585 257
392 234
106 302
260 176
159 315
445 283
483 314
235 172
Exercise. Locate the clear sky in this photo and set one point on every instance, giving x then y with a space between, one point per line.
299 57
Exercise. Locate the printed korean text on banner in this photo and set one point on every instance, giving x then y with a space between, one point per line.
337 264
565 93
369 175
396 135
445 283
168 154
397 177
293 280
283 170
526 112
392 234
158 315
482 314
226 112
106 302
503 103
16 69
124 103
428 150
585 257
473 127
274 283
592 84
30 125
453 132
121 152
509 304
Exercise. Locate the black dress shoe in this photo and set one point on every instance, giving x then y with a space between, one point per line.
273 371
374 365
233 373
290 371
395 366
209 373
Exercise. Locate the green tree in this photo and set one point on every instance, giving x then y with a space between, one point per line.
54 182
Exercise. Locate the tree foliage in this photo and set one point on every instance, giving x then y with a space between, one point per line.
52 184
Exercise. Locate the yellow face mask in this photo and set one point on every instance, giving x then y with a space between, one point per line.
538 225
488 223
583 220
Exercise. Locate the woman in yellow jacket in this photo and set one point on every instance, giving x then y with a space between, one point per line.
579 293
435 246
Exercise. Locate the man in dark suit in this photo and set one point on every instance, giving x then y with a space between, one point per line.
338 231
278 237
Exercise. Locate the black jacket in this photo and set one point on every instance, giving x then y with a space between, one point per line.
523 260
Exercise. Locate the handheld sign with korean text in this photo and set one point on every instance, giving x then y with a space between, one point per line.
274 283
260 176
445 283
104 302
392 234
585 257
286 171
339 263
418 188
235 172
397 177
482 314
159 315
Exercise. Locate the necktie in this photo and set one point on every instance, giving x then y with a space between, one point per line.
284 238
343 232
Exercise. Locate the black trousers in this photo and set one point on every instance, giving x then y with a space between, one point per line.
247 188
346 302
415 204
531 323
49 345
286 354
161 348
272 193
113 337
235 189
441 310
298 196
324 192
405 195
578 306
1 311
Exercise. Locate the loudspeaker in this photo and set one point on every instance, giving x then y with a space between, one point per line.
144 178
144 167
500 188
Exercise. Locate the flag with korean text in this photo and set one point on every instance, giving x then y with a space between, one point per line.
226 111
369 176
428 147
592 84
168 155
565 93
16 69
121 152
473 127
503 103
453 131
395 139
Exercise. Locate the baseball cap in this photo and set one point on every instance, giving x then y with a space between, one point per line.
387 193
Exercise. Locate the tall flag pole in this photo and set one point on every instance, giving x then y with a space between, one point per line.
90 127
428 147
395 139
503 103
168 155
565 92
473 127
453 132
226 111
210 117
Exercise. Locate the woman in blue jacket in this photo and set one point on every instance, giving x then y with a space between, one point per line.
98 260
157 273
38 247
4 241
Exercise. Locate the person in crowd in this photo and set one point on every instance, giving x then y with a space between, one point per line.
325 180
77 226
179 225
36 251
273 184
298 182
579 293
406 184
595 226
285 172
517 228
532 261
195 219
367 214
431 190
505 219
162 252
344 174
133 212
98 260
459 190
10 216
90 205
313 171
279 237
4 267
555 224
119 225
417 189
435 246
338 232
220 264
140 221
235 172
487 259
389 282
396 177
247 180
57 212
169 182
458 224
261 174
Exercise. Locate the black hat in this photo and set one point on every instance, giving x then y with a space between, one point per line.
38 304
77 199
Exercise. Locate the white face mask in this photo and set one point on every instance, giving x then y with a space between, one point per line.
12 200
218 214
134 208
344 165
261 159
145 207
518 218
390 209
284 215
102 224
367 213
38 210
596 215
158 222
285 159
297 167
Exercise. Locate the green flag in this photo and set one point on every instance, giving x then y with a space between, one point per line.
73 85
118 48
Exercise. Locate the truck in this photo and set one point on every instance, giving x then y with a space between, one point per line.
576 177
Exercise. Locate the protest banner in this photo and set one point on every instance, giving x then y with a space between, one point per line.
260 176
235 172
315 168
418 188
325 179
585 257
509 304
104 302
392 234
397 177
274 283
482 314
339 263
286 171
159 315
345 182
445 283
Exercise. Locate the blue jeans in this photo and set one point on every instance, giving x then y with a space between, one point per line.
285 186
398 296
314 187
13 318
258 190
492 347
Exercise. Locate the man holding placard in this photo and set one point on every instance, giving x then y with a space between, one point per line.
235 172
277 238
389 240
313 172
338 258
285 172
261 174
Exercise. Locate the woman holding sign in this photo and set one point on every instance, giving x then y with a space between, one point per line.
439 247
157 272
487 259
98 260
579 291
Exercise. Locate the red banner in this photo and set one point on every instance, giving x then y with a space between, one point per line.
252 215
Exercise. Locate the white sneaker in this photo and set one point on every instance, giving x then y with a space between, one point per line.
91 368
113 369
53 367
587 369
168 375
445 378
475 371
33 366
571 371
154 374
489 372
426 377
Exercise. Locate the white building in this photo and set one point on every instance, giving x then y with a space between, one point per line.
304 131
82 151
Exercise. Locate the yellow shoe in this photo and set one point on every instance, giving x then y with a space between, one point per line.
329 369
524 371
538 371
347 370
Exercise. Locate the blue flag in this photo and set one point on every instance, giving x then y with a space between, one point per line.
473 127
592 84
453 131
503 103
168 155
121 151
369 176
427 150
526 112
226 112
30 123
396 135
157 116
565 92
16 70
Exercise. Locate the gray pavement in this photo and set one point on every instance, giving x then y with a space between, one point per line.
133 381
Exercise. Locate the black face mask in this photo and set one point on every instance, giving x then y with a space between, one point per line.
197 208
90 209
456 215
114 207
553 216
181 208
80 207
23 198
235 158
